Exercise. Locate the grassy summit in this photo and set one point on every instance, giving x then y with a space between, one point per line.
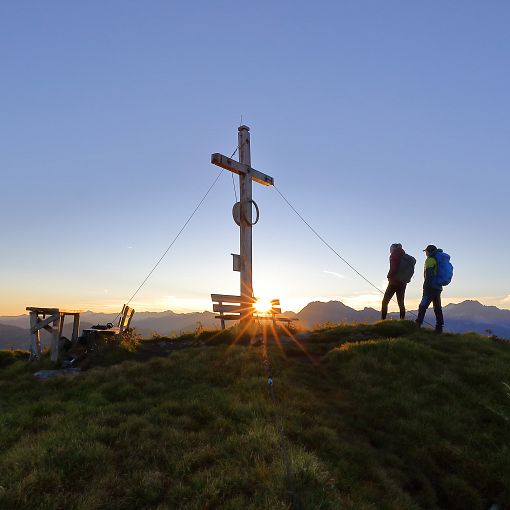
375 417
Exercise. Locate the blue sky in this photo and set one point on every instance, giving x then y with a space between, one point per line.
381 121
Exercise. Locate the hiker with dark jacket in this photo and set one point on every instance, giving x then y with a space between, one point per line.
395 283
431 289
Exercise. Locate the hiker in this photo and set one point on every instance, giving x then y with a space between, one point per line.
438 272
400 274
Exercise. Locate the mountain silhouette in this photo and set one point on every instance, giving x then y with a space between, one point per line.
468 315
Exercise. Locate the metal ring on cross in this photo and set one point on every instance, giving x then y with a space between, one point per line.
236 213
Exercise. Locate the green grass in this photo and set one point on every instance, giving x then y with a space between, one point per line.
386 417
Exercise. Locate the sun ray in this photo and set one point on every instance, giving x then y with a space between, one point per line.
239 336
299 344
277 340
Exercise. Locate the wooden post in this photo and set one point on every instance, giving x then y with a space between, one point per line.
222 320
61 327
76 328
56 338
245 191
35 339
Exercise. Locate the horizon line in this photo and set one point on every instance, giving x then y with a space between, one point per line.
454 301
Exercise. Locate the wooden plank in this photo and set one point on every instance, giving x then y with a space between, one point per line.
228 317
35 339
76 329
246 220
62 317
131 312
42 323
241 169
38 309
226 298
221 308
51 310
123 318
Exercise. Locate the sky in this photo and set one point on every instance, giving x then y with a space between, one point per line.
381 122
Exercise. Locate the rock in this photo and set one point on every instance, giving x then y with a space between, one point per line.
48 374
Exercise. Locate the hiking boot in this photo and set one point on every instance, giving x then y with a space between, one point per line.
418 324
438 330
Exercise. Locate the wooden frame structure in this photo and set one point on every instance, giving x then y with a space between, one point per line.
123 323
52 320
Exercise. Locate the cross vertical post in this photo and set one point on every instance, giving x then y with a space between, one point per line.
243 217
245 240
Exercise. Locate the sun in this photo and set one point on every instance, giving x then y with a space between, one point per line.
263 305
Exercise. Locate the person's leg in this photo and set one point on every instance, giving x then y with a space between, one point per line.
438 312
390 291
425 302
401 292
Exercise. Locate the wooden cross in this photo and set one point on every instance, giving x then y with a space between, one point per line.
242 211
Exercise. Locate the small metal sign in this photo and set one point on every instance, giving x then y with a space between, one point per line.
236 262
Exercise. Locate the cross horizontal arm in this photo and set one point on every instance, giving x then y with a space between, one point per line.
240 168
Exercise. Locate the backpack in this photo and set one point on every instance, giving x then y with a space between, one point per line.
444 268
406 268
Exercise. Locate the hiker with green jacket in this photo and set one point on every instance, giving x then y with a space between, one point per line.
431 288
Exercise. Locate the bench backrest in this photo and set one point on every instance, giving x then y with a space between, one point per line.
125 318
275 307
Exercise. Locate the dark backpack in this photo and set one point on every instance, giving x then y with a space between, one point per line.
406 268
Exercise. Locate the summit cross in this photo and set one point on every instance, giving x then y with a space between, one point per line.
243 212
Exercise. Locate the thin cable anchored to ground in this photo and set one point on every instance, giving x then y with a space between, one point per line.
333 250
180 232
176 237
325 242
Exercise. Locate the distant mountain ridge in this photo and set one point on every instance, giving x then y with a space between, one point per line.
469 315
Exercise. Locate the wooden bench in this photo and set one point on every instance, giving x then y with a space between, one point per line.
230 307
117 331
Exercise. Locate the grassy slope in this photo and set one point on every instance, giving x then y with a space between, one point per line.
389 418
